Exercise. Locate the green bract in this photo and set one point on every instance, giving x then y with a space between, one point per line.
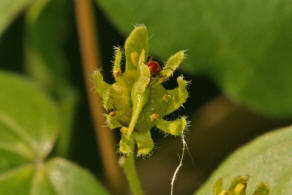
238 187
137 101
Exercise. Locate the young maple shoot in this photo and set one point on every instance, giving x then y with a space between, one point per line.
238 187
137 101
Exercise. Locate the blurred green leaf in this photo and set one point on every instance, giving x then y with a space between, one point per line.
48 23
29 122
9 9
266 159
244 45
29 126
60 177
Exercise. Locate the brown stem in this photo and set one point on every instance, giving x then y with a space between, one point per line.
91 61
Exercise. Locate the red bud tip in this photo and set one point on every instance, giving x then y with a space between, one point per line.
153 66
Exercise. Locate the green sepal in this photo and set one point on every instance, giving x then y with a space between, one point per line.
144 142
106 96
143 79
176 97
140 92
112 122
172 127
125 143
119 98
100 85
117 63
171 65
136 42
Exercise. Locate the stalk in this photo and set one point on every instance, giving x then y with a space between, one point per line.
128 164
91 61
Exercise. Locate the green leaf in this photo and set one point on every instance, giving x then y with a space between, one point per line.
29 124
60 177
47 24
266 159
9 9
29 120
244 45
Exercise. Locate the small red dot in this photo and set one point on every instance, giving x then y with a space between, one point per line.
153 66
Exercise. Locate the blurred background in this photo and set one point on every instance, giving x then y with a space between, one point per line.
239 64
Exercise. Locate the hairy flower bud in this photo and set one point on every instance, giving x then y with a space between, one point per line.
137 101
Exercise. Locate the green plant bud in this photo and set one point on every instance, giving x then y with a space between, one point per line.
262 189
217 189
137 101
238 187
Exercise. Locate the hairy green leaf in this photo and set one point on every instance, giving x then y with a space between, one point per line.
266 159
244 45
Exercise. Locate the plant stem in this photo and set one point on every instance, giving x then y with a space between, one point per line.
91 61
128 164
